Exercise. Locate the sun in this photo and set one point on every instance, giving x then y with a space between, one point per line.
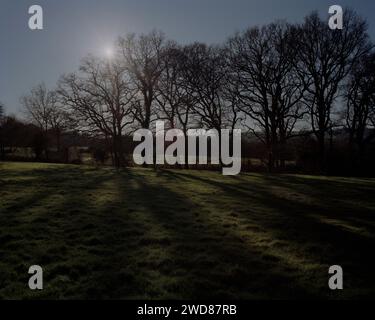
108 52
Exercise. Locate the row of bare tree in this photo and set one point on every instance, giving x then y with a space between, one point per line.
276 82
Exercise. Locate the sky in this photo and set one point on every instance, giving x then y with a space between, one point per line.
76 28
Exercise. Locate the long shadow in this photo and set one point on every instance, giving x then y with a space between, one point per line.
201 237
295 222
139 234
347 201
322 200
44 226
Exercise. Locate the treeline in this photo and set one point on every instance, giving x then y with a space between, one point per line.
301 93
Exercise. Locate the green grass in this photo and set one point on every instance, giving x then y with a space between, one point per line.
104 234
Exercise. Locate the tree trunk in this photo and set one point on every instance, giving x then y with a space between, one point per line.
186 150
321 151
58 140
271 158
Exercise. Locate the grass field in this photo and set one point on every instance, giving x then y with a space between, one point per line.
102 233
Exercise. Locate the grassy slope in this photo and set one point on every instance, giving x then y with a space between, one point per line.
137 233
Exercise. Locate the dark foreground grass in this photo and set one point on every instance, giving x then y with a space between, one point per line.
99 233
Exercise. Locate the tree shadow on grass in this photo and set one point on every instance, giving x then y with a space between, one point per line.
208 260
309 226
105 234
38 224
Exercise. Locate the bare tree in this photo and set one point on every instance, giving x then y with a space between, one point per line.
205 75
142 57
2 142
2 112
174 99
169 93
39 106
61 120
266 88
325 58
42 109
360 104
101 97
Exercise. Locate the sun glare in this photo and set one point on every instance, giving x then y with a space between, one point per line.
108 52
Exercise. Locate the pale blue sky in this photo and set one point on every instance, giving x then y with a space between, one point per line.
74 28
